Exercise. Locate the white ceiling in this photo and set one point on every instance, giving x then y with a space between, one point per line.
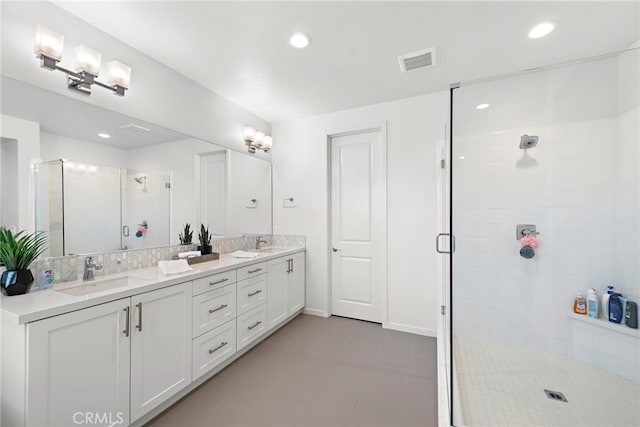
240 49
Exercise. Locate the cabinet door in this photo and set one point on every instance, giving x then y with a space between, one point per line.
296 299
277 285
78 366
160 346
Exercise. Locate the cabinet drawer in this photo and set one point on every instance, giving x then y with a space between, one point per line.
213 308
251 326
251 293
212 348
213 282
252 270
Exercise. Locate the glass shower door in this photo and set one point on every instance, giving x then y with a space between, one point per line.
554 152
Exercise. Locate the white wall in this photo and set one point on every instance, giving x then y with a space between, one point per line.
572 186
157 94
300 169
28 149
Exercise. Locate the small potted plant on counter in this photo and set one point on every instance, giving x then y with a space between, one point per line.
17 252
186 236
205 241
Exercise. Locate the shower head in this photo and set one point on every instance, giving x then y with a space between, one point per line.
140 180
528 141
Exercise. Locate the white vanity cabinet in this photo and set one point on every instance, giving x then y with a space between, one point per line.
78 363
286 288
115 361
161 345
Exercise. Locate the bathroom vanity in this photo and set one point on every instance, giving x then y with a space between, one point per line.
125 347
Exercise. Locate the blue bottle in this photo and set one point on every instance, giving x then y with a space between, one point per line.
615 308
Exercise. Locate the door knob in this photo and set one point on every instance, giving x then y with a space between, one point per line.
335 249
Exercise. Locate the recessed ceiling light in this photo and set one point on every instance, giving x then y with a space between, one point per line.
300 40
461 157
482 106
104 135
542 29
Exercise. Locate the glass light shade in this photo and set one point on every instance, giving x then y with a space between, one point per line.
118 74
267 142
258 139
47 42
87 60
248 133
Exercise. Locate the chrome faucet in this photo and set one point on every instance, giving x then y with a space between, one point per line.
89 269
259 240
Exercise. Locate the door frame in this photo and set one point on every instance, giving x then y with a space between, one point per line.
354 130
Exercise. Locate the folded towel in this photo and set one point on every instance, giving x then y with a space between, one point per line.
189 254
244 254
173 267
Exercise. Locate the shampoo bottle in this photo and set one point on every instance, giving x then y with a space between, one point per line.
605 302
580 305
615 308
592 304
631 315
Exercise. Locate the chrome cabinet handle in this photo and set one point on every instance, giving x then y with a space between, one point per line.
218 281
255 271
218 309
453 243
222 344
126 322
254 293
291 269
255 324
139 325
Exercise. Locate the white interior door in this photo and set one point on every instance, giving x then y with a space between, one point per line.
213 193
358 225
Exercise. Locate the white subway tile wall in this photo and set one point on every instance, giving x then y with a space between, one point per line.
580 186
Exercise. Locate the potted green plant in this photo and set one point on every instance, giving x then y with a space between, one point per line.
205 240
186 236
17 252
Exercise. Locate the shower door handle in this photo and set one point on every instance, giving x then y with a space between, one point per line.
453 246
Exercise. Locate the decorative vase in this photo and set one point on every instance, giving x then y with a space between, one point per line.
206 249
16 282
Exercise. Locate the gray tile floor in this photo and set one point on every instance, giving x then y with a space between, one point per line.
320 372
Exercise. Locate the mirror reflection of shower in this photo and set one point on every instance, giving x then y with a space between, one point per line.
527 142
142 180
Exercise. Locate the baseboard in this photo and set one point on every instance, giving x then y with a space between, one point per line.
411 329
315 312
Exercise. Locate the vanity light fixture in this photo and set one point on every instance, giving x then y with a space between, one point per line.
48 48
256 140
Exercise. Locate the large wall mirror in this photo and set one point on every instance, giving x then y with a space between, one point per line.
136 188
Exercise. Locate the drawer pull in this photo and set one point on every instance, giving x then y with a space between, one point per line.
222 344
254 293
218 281
254 325
218 309
139 325
254 271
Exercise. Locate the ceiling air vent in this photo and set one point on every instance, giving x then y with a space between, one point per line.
415 60
135 128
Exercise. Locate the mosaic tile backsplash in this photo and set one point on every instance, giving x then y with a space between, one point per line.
69 268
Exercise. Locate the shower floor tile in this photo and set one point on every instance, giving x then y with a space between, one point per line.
500 385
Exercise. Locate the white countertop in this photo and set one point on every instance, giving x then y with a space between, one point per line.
38 304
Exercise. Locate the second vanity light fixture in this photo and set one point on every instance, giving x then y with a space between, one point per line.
256 140
48 48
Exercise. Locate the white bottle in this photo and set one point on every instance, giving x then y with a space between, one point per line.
605 302
592 304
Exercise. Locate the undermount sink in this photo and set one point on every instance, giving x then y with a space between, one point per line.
92 287
271 250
